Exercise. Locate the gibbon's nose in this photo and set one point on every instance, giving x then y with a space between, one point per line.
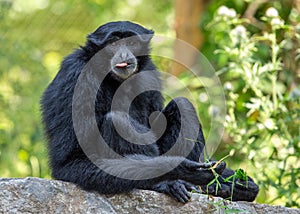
122 65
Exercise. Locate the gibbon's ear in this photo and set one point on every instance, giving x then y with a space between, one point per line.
147 36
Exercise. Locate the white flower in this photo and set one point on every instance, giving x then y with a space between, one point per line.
276 21
203 97
225 11
231 13
228 118
240 30
238 33
243 131
272 12
228 86
269 123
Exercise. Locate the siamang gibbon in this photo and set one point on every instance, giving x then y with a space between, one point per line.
143 145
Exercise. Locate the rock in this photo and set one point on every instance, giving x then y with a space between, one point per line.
36 195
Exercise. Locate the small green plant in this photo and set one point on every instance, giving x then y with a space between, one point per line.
238 174
215 180
222 205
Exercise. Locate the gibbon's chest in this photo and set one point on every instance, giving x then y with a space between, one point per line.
112 97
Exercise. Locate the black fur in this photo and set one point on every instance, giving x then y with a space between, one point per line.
70 163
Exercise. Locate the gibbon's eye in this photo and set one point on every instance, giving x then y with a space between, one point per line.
113 44
132 43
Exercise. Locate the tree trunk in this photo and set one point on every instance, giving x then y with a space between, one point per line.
187 27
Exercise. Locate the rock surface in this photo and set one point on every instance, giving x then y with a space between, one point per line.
35 195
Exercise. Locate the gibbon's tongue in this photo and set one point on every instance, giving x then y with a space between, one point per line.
122 65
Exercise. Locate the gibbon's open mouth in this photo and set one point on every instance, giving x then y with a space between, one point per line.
122 65
124 69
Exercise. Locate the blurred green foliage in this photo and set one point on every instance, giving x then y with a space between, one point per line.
258 62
